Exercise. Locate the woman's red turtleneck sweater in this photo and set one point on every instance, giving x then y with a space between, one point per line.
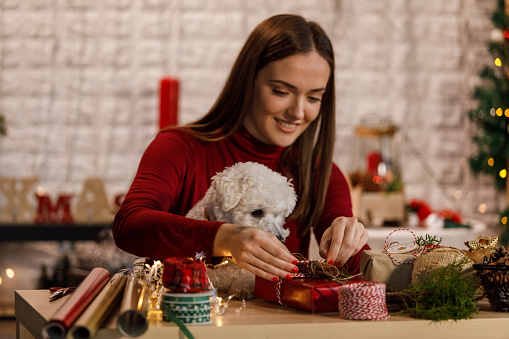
174 174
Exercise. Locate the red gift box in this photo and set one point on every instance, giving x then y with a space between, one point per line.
308 294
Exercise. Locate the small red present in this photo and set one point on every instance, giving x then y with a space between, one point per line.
182 275
308 294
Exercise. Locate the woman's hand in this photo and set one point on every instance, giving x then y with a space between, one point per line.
256 251
344 238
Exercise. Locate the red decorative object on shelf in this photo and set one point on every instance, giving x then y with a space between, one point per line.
168 102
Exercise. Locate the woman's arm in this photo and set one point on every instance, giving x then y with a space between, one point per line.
340 235
144 224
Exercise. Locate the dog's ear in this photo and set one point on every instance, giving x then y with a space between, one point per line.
230 189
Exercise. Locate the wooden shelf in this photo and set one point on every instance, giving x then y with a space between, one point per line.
51 232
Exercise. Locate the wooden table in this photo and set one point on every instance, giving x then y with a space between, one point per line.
262 319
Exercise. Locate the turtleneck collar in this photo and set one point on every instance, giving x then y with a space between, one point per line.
247 143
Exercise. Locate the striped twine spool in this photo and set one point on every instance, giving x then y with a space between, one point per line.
362 301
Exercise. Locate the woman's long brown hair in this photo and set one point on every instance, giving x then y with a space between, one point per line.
309 160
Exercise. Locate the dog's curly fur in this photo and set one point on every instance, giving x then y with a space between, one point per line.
246 194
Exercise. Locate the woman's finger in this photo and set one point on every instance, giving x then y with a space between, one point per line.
350 242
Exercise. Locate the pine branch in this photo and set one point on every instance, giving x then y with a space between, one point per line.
445 294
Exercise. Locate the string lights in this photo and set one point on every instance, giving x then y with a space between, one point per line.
9 273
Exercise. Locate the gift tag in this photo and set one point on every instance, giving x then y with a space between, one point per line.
401 248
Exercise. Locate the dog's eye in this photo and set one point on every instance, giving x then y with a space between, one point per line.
257 213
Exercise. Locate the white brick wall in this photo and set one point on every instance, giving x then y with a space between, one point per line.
79 80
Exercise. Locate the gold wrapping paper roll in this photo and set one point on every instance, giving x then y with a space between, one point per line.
132 320
94 316
74 306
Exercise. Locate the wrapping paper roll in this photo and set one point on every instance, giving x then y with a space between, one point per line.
132 320
96 313
64 317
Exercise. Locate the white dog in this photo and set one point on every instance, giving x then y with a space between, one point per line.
245 194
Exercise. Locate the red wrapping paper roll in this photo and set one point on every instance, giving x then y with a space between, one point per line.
88 289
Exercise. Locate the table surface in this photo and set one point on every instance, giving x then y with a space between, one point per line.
262 319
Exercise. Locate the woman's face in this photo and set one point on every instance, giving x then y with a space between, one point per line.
287 98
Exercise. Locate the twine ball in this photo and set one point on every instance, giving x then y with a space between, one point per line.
362 301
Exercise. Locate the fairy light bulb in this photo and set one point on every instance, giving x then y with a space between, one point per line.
491 161
503 220
498 62
492 112
10 273
482 208
499 112
506 112
503 173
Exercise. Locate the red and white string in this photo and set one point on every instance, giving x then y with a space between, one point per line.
362 301
388 245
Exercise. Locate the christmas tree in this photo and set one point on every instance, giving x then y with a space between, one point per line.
492 114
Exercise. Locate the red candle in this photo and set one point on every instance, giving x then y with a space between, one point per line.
373 160
168 102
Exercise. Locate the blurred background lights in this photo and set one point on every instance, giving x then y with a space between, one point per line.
458 194
498 62
482 208
506 112
9 272
491 161
503 220
503 173
499 112
40 190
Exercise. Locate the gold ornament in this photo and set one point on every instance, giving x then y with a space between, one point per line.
482 242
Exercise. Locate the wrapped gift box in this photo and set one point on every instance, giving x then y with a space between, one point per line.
308 294
376 265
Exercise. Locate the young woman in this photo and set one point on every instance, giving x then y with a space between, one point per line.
276 108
